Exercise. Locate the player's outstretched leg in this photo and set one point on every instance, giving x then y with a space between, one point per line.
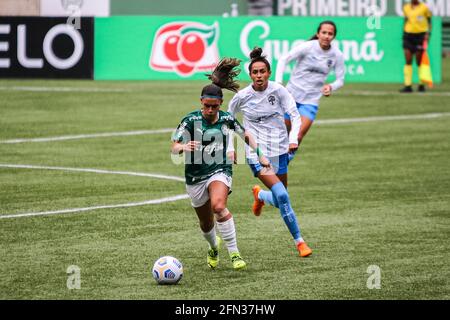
237 261
212 257
226 227
258 204
284 204
303 249
260 198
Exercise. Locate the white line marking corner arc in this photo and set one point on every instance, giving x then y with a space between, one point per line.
90 170
77 210
88 136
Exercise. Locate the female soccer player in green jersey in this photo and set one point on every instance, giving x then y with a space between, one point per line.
203 136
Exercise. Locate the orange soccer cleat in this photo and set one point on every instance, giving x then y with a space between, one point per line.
303 249
257 204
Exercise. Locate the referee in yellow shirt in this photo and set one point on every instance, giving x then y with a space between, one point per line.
417 28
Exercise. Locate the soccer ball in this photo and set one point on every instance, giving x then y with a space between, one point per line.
167 270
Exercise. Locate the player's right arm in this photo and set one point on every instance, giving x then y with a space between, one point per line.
233 108
179 148
295 53
248 138
182 138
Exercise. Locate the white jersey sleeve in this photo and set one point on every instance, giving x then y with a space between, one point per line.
295 53
233 105
339 70
233 108
290 107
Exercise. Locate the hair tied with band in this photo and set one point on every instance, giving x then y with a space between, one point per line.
224 73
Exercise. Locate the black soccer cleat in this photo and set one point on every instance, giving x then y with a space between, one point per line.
407 89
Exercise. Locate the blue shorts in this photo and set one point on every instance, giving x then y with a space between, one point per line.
306 110
279 164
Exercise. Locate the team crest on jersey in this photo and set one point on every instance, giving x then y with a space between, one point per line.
329 63
271 99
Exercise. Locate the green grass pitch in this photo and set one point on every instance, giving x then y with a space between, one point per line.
366 193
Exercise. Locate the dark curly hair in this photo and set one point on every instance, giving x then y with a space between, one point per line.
257 56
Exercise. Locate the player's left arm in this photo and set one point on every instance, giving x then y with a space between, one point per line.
295 53
233 108
339 70
290 107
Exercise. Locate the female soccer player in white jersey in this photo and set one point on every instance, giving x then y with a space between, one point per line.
202 136
314 61
263 105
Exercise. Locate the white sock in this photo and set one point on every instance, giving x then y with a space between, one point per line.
210 236
299 240
228 233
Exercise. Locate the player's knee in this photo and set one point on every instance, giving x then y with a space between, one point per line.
223 216
218 207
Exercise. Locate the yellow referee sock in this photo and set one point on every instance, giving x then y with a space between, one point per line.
420 70
408 73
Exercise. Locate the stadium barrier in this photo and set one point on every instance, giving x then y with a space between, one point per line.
38 47
168 48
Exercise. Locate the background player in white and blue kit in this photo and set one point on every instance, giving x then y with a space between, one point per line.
263 105
315 59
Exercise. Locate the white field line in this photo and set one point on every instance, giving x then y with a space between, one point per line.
384 118
128 173
76 210
93 89
384 93
168 130
88 136
59 89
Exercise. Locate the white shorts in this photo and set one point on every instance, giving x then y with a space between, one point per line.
199 193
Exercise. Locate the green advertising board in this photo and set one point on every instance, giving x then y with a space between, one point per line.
160 48
354 8
177 7
313 8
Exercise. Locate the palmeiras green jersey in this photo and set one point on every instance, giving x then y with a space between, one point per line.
210 158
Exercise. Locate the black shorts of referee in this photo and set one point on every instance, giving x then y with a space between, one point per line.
413 41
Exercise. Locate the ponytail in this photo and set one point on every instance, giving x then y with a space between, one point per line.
222 77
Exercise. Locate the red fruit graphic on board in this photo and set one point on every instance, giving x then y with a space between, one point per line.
170 47
185 48
184 68
192 47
